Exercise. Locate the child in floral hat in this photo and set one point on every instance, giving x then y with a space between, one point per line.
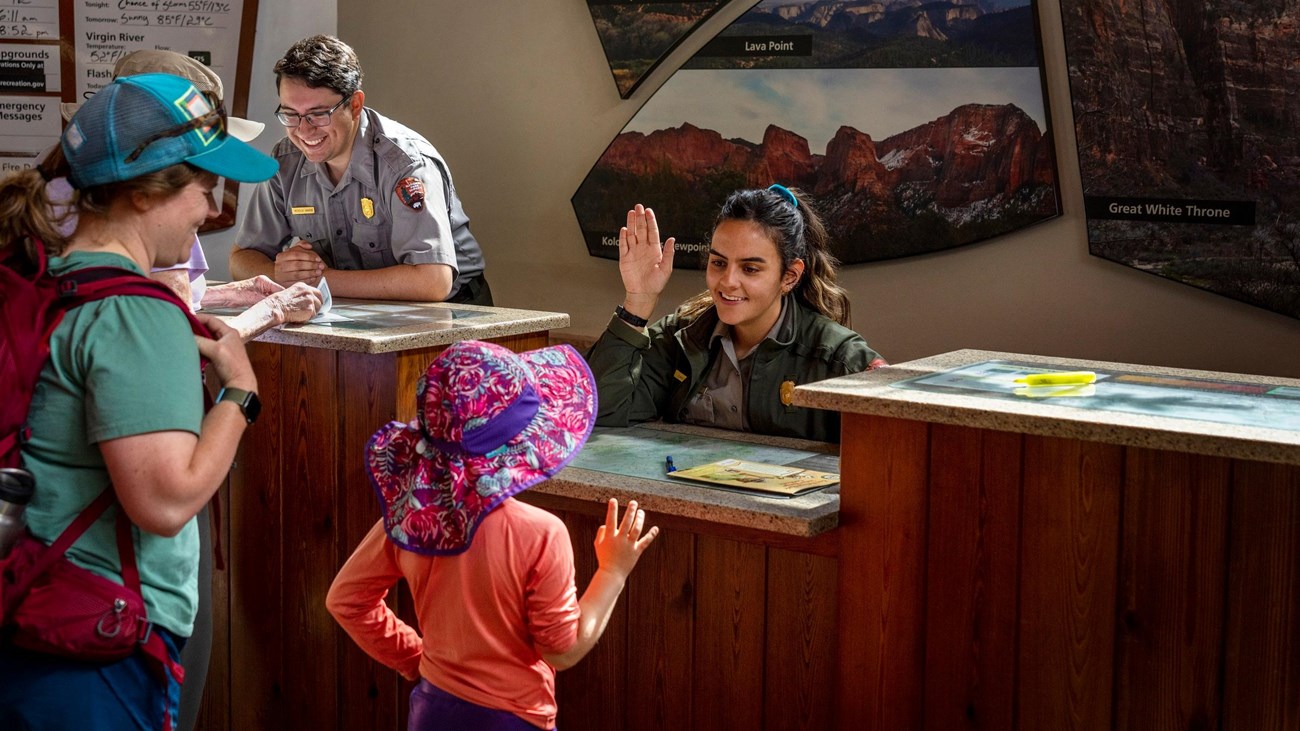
492 578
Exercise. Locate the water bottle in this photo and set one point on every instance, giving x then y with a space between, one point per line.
16 488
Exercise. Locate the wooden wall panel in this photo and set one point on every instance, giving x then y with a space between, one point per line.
971 617
1262 662
311 551
410 365
1069 566
729 634
257 586
883 509
800 663
592 695
299 502
660 598
1171 591
370 694
214 713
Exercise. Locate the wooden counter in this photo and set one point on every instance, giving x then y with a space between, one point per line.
727 621
298 502
1035 564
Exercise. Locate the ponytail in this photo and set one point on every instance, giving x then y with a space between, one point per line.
36 205
817 288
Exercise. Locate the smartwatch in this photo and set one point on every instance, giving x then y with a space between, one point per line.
248 402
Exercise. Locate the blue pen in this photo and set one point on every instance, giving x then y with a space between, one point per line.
668 464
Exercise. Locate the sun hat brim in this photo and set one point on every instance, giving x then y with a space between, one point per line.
244 129
434 500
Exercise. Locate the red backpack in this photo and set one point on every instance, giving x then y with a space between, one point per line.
32 304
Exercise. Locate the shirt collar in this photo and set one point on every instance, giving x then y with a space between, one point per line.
361 166
780 332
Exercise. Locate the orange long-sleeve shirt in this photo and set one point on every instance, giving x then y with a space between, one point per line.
485 616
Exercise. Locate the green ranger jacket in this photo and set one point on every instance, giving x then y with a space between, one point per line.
654 374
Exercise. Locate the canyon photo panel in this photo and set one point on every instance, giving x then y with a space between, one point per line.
637 36
916 127
1186 115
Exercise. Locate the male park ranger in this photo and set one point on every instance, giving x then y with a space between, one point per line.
359 199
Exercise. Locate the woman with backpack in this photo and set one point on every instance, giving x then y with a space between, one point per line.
119 404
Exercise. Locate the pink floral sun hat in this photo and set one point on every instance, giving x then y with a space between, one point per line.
491 424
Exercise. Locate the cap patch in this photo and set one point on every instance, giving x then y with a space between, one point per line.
74 137
411 193
195 105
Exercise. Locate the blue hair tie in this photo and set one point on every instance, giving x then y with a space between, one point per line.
785 193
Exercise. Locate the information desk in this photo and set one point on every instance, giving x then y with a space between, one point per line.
728 621
1128 559
299 501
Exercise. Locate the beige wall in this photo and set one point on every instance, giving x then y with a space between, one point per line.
517 96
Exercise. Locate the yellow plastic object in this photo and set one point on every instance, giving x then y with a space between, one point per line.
1064 378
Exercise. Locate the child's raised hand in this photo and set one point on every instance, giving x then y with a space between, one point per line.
619 545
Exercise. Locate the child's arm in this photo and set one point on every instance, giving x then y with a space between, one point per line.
617 549
356 599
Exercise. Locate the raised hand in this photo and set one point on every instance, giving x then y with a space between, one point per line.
620 545
643 262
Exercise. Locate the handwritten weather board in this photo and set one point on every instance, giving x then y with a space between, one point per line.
54 51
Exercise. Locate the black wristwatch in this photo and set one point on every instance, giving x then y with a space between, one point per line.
629 318
248 402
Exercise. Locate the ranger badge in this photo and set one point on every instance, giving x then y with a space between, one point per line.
787 392
411 193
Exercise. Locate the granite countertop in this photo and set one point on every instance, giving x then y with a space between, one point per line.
872 393
805 516
371 326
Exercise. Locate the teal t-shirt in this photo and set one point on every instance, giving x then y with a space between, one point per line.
118 367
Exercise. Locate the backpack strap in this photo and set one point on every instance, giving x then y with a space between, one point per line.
10 443
152 645
79 525
90 284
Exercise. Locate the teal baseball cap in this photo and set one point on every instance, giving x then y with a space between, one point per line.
142 124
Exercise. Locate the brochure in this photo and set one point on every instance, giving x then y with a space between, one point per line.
772 479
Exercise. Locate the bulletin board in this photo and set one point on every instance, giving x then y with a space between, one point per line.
54 51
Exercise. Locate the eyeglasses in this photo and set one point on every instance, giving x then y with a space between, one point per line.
315 119
216 115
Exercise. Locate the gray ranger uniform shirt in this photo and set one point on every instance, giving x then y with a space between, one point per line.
374 217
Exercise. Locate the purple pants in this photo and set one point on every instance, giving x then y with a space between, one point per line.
434 709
